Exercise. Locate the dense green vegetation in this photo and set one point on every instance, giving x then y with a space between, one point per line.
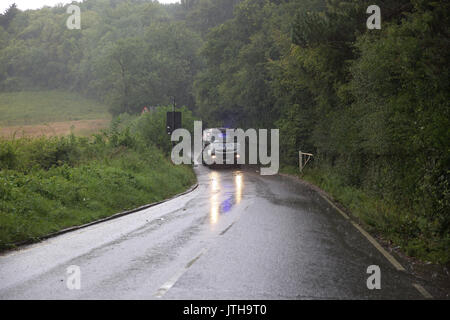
129 54
47 184
37 107
372 105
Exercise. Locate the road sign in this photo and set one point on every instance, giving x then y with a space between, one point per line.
173 121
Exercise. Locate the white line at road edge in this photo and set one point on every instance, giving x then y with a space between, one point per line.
423 291
388 256
171 282
375 243
372 240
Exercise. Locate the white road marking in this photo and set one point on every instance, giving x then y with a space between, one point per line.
372 240
423 291
375 243
171 282
336 207
386 254
226 229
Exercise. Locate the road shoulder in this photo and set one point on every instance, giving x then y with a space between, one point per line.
435 278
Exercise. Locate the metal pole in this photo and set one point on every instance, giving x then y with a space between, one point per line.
173 113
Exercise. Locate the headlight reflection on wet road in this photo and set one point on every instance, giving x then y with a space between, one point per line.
214 199
239 184
215 203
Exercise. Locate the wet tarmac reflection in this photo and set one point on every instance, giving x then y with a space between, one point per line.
234 197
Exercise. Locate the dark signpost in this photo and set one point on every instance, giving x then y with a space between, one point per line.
173 120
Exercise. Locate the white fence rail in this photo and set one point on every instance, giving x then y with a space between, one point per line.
303 159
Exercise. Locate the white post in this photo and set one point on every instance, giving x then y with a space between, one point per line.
300 161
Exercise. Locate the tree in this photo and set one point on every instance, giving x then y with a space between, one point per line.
8 15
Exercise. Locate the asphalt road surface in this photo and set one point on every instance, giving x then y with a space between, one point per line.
239 235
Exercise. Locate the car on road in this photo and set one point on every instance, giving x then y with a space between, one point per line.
219 147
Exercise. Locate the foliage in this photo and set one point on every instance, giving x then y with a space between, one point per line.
372 105
47 184
128 54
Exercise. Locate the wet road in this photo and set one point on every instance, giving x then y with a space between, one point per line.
237 236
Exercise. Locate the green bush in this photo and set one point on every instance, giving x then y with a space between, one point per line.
151 127
47 184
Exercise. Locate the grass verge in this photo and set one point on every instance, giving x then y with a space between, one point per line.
51 183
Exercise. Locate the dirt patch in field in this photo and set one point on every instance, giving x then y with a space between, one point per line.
78 127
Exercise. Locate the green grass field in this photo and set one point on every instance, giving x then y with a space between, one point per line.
39 107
